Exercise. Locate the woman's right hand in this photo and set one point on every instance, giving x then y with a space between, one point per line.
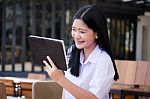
52 70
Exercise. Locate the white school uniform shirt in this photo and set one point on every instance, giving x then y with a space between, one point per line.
96 74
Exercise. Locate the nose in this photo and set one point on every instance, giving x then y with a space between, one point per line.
76 35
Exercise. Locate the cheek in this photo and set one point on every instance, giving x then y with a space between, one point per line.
90 37
72 34
91 40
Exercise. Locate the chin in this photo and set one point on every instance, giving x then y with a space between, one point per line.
79 47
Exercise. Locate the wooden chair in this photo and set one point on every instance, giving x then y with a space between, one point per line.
36 76
2 91
26 89
133 75
46 90
127 72
9 84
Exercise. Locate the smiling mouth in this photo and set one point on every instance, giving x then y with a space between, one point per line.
79 42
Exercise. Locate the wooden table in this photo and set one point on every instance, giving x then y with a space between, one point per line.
18 80
12 97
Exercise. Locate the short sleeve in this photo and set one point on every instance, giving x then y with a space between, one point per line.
103 78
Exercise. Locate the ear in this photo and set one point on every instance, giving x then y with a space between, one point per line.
96 36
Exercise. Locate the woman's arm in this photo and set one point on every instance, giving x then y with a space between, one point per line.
63 94
59 77
75 90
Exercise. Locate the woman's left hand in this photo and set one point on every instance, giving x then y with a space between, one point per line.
52 70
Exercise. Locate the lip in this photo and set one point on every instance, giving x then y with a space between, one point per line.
79 42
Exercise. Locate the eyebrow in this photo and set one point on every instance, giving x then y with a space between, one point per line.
82 29
79 28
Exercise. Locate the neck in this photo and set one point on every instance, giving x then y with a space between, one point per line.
87 52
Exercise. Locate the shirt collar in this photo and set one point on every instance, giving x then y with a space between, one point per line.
92 56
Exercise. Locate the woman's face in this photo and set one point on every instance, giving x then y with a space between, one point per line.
84 37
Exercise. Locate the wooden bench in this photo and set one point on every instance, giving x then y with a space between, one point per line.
134 79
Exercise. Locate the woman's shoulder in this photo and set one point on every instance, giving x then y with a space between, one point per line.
103 56
102 53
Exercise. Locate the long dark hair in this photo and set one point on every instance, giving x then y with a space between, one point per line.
94 18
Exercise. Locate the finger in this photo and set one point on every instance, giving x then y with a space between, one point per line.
51 62
46 69
47 65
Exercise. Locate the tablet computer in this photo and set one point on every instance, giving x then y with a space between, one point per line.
42 46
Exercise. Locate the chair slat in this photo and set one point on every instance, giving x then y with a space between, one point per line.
141 73
147 79
122 69
131 72
2 90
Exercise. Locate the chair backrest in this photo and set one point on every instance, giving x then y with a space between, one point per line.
46 90
9 84
133 72
127 71
26 89
2 91
36 76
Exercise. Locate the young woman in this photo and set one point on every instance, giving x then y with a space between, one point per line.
92 68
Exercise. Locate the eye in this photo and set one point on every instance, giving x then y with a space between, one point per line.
73 29
82 32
